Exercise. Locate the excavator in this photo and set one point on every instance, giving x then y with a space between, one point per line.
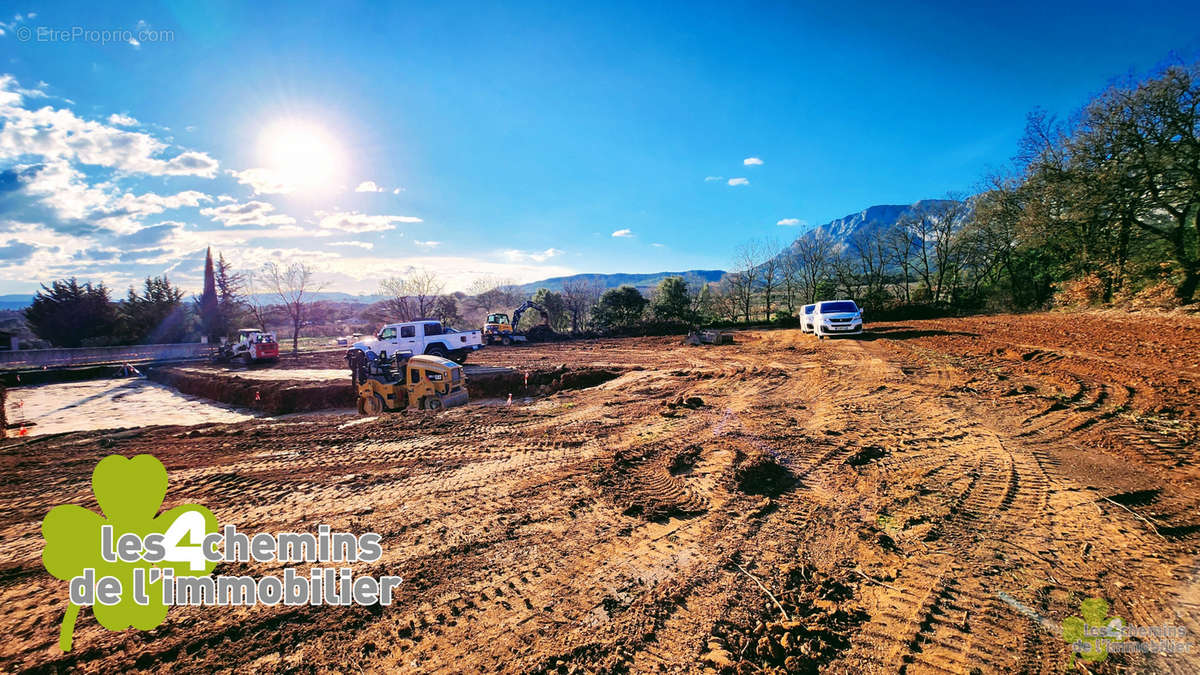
497 327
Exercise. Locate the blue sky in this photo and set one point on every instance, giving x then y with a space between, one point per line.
512 139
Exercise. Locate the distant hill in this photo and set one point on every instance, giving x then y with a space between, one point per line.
639 281
15 301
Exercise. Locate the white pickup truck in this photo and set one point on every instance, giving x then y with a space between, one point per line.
423 337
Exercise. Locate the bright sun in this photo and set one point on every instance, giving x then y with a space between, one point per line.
302 154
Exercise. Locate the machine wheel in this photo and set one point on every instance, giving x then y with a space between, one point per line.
373 405
433 403
506 341
247 359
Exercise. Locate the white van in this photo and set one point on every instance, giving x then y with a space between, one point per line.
837 317
806 318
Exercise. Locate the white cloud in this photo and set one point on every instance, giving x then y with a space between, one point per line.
117 119
56 193
518 256
738 181
263 181
397 190
709 179
791 222
426 244
352 221
58 134
658 245
368 186
252 213
360 244
752 161
622 233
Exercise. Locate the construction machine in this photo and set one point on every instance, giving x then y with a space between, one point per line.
497 327
423 382
252 346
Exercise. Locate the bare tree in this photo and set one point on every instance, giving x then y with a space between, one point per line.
424 287
747 274
579 296
725 298
901 252
869 260
495 293
790 279
770 271
412 297
815 254
396 306
293 285
256 286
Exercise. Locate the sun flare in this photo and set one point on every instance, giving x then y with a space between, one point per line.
302 154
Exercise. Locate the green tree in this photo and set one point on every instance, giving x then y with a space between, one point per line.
157 316
231 297
619 308
209 307
672 302
67 313
555 306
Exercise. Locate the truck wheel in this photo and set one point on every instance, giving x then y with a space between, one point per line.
459 356
438 351
373 405
506 341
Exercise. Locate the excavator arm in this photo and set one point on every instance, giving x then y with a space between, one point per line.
528 304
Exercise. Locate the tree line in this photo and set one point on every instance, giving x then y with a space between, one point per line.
1102 208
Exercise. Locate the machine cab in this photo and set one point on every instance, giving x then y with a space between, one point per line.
434 382
497 323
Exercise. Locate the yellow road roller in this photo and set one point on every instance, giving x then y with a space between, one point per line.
422 382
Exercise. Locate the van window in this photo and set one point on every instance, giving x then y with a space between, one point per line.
387 333
840 306
433 329
808 309
408 331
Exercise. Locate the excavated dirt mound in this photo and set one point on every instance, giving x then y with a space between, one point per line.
270 396
934 497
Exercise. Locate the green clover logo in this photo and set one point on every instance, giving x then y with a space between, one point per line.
1090 635
130 493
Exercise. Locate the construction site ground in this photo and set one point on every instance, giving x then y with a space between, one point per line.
934 496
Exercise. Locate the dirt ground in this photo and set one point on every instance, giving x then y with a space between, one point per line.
912 500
